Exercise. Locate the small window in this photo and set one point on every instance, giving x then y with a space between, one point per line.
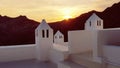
99 23
47 33
43 33
60 36
90 23
56 37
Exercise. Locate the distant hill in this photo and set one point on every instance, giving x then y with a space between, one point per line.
20 30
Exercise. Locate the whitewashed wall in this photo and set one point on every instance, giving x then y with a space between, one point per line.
81 41
107 41
108 37
112 54
92 23
17 52
58 53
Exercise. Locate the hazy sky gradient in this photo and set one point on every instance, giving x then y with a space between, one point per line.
51 10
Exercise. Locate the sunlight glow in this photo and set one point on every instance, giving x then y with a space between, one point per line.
67 13
67 17
51 10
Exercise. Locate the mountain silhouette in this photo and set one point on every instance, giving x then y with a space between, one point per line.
20 30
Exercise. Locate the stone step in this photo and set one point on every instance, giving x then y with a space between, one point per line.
69 64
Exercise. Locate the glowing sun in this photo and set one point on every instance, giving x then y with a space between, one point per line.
67 14
67 17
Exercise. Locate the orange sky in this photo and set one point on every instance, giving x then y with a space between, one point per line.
51 10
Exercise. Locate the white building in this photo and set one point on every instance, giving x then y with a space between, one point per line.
94 23
44 41
59 38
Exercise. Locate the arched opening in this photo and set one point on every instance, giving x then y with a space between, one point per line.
55 37
90 23
47 34
98 23
43 33
60 36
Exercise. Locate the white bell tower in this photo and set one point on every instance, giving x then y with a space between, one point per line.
44 41
59 38
94 23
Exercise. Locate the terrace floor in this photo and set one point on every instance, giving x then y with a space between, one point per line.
27 64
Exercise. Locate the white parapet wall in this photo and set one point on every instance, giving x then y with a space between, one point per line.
58 53
17 52
112 54
108 37
81 41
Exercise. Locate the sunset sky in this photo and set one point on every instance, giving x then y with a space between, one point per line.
51 10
